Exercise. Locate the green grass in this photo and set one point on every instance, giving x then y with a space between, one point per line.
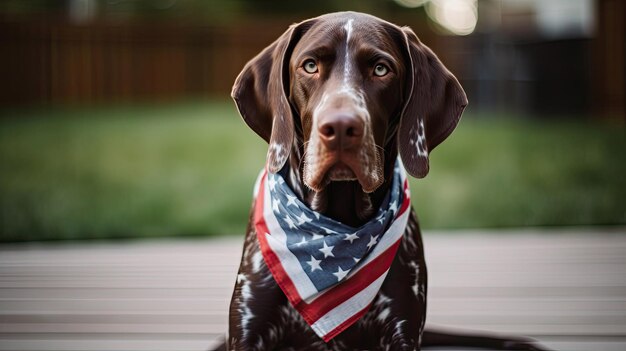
502 173
138 171
188 169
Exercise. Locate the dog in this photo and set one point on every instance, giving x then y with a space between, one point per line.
340 99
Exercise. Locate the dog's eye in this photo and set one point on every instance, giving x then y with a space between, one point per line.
310 66
381 70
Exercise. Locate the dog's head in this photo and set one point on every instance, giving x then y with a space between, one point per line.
349 90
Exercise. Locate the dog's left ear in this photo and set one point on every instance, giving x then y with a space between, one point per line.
434 102
259 92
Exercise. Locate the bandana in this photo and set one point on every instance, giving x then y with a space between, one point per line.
330 272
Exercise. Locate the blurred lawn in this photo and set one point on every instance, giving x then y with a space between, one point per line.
188 169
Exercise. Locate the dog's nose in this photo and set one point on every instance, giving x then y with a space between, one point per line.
341 131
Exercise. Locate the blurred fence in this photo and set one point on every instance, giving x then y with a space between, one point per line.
56 61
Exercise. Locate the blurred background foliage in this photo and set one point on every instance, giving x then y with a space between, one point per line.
115 120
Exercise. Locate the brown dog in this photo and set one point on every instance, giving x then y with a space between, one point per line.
338 98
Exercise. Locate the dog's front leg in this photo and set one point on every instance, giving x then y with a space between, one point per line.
253 309
403 295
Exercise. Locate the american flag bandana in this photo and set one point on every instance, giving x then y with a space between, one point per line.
330 272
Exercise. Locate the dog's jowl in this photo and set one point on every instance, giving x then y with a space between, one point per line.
350 106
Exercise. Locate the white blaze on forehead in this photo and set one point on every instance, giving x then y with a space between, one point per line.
348 88
346 64
348 28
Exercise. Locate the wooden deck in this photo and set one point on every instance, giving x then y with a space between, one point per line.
566 288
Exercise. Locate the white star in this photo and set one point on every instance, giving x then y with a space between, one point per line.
290 222
315 264
356 260
317 215
302 242
316 236
373 241
275 205
327 250
393 206
303 218
340 274
272 183
291 200
281 180
351 237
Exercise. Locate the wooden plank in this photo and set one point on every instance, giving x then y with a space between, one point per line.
568 289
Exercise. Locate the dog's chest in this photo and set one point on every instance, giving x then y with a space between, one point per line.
396 316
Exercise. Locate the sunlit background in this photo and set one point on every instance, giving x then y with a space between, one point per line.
115 119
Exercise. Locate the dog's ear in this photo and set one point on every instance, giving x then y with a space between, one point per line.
434 102
260 95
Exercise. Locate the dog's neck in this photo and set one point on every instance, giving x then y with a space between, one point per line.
343 201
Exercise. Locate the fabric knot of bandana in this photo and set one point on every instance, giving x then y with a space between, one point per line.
330 272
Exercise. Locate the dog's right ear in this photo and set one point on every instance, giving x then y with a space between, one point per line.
261 98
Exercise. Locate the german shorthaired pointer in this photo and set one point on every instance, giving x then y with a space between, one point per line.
340 98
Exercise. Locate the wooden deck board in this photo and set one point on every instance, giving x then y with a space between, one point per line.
566 288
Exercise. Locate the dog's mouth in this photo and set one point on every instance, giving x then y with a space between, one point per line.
364 167
341 172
